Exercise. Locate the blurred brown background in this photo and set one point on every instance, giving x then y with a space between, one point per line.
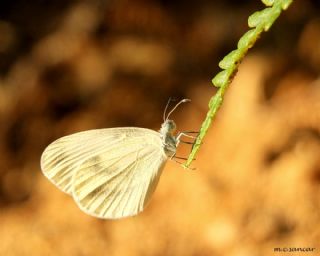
67 66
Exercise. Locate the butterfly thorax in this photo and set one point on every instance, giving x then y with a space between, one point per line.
168 139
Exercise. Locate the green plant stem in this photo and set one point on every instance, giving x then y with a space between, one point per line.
259 21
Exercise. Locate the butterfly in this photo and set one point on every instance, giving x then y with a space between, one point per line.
111 173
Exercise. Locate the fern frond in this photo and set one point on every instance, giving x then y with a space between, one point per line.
259 22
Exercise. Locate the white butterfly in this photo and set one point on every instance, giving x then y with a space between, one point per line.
111 173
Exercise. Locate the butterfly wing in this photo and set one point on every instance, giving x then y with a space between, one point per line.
119 181
63 156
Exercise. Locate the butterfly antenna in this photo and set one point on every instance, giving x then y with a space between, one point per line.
166 108
180 102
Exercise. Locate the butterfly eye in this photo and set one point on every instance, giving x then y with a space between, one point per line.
172 125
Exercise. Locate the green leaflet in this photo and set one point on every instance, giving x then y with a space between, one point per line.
268 2
231 59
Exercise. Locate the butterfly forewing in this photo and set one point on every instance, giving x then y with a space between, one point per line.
62 157
118 182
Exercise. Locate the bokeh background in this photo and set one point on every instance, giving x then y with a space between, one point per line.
68 66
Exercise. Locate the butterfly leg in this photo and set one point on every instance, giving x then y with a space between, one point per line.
186 134
179 140
182 164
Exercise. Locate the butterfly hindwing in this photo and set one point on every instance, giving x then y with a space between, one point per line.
119 182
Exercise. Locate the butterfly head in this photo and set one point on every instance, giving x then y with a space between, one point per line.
168 127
